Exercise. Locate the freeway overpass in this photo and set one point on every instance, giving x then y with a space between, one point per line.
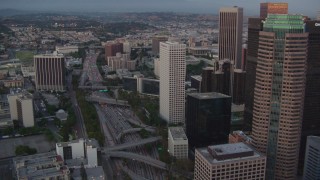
131 144
133 130
99 99
138 157
99 87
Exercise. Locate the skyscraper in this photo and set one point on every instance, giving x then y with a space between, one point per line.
254 27
230 34
208 119
50 72
311 112
156 43
279 93
172 81
272 8
312 159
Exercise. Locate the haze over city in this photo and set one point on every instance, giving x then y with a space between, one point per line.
307 7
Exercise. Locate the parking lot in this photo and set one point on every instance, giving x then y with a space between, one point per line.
39 142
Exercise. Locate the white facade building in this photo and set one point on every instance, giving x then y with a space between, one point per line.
126 47
229 161
172 81
177 143
21 108
79 149
66 49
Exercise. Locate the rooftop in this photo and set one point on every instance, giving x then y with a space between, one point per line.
210 95
228 152
39 166
178 133
197 77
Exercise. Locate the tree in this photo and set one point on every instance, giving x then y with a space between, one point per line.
25 150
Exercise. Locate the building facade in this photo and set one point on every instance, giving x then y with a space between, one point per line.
121 61
279 93
21 108
79 149
254 27
208 119
172 81
229 161
177 143
230 34
311 126
156 43
50 72
312 159
112 48
239 80
272 8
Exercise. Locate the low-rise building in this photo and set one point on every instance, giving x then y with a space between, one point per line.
121 61
239 136
229 161
177 143
66 49
28 71
94 173
81 149
14 82
46 166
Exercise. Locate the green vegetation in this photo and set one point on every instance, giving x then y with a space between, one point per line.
80 54
25 150
25 56
31 130
89 114
195 69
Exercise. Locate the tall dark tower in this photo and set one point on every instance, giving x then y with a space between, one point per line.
311 112
254 27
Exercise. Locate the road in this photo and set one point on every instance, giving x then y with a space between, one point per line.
132 144
81 129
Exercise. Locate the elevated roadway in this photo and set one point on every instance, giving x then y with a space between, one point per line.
107 100
131 144
133 130
138 157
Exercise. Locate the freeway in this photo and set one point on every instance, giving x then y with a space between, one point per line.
133 130
107 100
138 157
132 144
99 87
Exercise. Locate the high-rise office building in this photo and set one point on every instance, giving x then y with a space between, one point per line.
172 81
112 48
230 34
279 93
50 72
272 8
239 79
208 119
21 108
206 80
254 27
156 43
311 111
222 78
229 161
311 169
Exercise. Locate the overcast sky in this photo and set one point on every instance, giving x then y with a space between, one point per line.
251 7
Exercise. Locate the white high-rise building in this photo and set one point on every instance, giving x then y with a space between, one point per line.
21 108
172 81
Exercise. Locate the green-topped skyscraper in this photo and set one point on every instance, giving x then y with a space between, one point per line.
279 93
